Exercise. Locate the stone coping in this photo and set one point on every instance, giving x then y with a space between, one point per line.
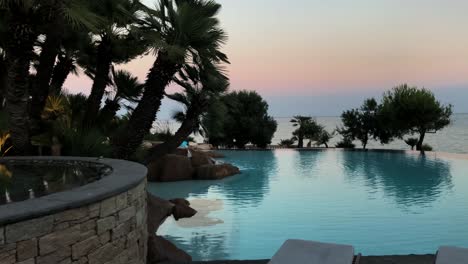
125 175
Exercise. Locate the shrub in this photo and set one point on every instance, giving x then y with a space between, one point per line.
288 143
412 142
427 147
345 143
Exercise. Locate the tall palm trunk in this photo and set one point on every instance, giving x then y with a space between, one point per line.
185 130
19 50
109 111
3 82
45 69
62 69
101 79
143 116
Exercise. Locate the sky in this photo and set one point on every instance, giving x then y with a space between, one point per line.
319 57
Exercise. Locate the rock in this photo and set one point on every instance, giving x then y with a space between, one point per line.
183 211
180 201
214 154
158 211
161 250
216 172
181 152
170 168
200 158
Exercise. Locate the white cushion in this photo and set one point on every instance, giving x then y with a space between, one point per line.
452 255
310 252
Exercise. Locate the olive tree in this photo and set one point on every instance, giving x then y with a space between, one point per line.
412 110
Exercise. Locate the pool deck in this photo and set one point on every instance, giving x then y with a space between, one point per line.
410 259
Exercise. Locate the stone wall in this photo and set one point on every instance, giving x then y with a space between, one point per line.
112 231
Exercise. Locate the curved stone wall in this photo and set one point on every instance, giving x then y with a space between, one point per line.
102 223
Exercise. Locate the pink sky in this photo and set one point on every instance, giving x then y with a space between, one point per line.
316 48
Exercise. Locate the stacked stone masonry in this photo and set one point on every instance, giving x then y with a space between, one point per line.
112 231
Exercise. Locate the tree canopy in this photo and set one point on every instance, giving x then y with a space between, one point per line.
412 110
244 120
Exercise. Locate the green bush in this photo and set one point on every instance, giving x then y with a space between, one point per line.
288 143
427 147
345 143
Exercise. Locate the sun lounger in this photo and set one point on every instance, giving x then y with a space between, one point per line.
309 252
452 255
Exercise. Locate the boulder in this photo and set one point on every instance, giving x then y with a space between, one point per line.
200 158
182 211
216 172
158 210
180 201
214 154
170 168
161 250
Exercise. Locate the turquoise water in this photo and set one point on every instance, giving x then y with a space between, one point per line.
382 203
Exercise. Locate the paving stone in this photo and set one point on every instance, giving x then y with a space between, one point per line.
105 237
122 229
94 210
105 224
121 201
72 215
55 257
7 257
126 214
56 240
29 229
28 261
108 207
84 247
2 235
26 249
103 254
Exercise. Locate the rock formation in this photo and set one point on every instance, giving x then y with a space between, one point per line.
179 167
161 250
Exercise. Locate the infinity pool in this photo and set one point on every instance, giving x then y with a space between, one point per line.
382 203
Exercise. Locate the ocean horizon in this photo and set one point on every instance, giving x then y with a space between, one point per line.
453 139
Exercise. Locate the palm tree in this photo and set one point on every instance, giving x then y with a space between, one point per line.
125 87
3 78
59 18
302 123
3 66
72 54
201 87
185 31
20 18
118 41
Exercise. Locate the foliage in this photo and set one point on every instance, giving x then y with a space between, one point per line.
288 143
364 124
245 121
4 148
411 110
427 147
323 137
86 143
412 142
345 143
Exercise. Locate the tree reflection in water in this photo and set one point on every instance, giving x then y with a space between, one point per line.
407 178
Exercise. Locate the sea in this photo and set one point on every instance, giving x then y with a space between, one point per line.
453 139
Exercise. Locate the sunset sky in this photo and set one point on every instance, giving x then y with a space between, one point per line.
321 57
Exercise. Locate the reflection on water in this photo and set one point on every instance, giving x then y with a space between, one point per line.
411 180
22 180
332 196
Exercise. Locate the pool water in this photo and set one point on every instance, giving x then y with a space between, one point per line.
25 179
382 203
